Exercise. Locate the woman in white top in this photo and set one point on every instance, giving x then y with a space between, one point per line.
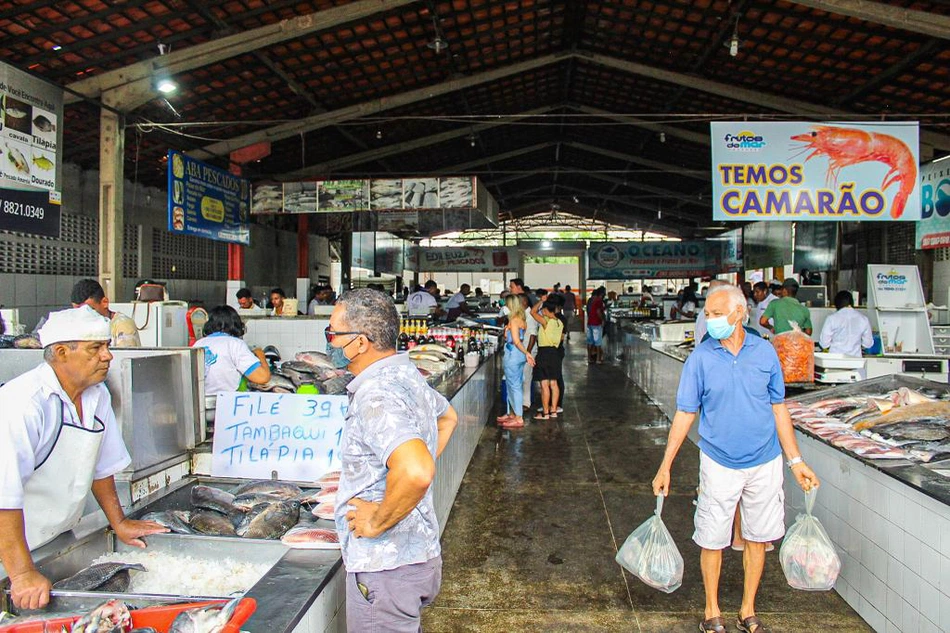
229 362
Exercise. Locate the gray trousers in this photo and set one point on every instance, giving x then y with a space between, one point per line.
393 599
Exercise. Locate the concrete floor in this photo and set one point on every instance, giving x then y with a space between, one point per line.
531 540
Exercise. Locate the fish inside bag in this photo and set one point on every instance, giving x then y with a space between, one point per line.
650 554
808 556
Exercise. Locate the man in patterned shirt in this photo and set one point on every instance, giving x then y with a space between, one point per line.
396 426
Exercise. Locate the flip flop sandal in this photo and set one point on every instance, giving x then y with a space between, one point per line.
542 416
752 624
713 625
553 414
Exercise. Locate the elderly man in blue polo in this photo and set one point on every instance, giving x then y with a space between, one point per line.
735 382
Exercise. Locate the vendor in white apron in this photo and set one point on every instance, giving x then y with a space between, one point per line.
58 440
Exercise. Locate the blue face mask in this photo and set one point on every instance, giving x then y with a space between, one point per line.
337 357
719 327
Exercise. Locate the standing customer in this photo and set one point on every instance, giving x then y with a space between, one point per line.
531 334
549 359
736 381
516 355
786 310
596 313
570 307
396 426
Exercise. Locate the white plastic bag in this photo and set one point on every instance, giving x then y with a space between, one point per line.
650 554
808 556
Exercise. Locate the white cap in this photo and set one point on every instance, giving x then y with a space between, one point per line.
75 324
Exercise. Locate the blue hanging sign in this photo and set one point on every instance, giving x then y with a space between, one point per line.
206 201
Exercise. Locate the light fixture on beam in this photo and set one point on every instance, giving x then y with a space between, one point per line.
163 82
734 43
438 44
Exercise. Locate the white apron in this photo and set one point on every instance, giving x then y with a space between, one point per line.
54 496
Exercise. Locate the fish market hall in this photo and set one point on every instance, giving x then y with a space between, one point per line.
552 315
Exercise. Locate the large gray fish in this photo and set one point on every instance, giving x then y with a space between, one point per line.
277 382
95 576
270 520
275 487
315 358
210 498
299 366
211 523
210 619
174 520
297 377
248 500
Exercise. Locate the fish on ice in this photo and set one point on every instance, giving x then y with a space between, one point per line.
96 576
210 619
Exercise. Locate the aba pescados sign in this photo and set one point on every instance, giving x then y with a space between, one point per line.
804 171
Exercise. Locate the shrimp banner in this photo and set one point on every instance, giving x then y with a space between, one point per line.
801 171
933 230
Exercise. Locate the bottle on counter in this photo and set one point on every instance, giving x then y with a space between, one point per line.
402 341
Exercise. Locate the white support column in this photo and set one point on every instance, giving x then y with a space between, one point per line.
111 200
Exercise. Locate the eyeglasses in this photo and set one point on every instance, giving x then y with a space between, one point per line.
330 334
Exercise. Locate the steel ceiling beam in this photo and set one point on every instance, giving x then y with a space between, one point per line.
924 22
735 93
335 117
134 82
386 151
660 191
460 167
669 130
700 174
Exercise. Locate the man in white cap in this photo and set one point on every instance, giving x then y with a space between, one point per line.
59 439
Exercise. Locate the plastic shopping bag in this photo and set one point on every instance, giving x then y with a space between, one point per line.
650 554
808 556
796 353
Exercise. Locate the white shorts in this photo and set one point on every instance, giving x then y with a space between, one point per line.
758 492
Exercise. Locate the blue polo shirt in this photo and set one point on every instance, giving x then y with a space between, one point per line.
736 394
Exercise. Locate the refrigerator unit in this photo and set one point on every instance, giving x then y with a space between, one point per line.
160 323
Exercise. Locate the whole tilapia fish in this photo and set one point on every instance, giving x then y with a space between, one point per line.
315 358
270 520
275 487
210 498
277 382
43 124
95 576
211 523
109 617
248 500
210 619
174 520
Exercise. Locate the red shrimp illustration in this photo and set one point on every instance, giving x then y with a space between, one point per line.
847 146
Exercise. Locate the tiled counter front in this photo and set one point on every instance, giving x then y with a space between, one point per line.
894 541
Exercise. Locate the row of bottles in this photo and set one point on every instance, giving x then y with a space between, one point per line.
414 332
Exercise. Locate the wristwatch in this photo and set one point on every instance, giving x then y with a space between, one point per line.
794 460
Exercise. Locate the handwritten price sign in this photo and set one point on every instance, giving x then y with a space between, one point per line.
258 433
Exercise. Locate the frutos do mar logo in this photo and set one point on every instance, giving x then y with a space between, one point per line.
891 280
744 141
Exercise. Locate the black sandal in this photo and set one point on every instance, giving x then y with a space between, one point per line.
714 625
750 622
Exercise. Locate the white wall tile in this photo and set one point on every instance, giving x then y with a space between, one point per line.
930 566
25 288
930 527
911 591
873 617
944 529
944 621
894 606
912 553
910 622
877 592
926 626
890 627
895 510
895 538
878 562
912 519
929 602
895 575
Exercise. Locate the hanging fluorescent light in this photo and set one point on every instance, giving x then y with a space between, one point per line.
733 43
662 137
546 244
379 134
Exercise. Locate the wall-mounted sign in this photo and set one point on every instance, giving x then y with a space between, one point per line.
206 201
31 135
803 171
933 229
466 259
651 260
296 436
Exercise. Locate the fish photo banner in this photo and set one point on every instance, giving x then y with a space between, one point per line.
258 433
31 135
206 201
933 229
803 171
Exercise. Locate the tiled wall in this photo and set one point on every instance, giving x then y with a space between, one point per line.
894 542
289 335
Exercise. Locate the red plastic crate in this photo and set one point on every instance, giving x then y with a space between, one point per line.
159 618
